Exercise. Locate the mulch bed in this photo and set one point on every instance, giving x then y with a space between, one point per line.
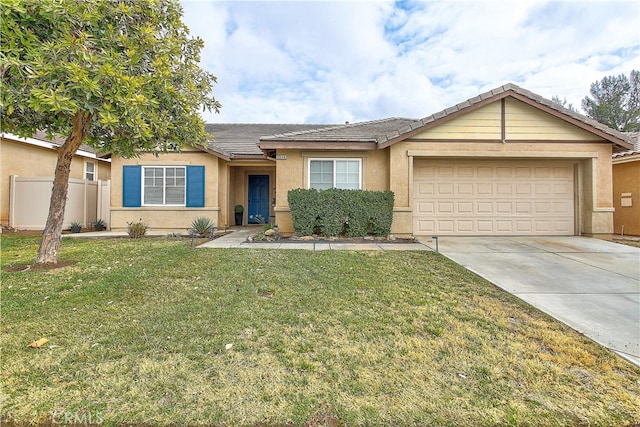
322 239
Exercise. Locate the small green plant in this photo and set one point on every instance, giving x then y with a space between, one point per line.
259 219
100 224
201 225
137 230
76 226
238 209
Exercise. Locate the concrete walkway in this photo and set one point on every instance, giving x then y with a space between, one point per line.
589 284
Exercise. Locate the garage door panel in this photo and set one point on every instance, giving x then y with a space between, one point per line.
484 189
425 189
465 189
464 208
445 208
504 207
465 226
504 197
445 188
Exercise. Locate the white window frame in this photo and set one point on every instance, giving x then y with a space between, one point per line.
94 173
334 160
164 185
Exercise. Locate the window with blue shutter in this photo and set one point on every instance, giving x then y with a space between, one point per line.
131 186
163 186
195 186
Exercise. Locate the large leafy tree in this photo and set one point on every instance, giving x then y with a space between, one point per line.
120 75
615 101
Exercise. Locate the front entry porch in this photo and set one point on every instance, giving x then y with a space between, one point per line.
253 188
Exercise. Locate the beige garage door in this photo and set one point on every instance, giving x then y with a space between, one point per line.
478 197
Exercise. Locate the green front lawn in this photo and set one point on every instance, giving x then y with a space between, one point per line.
154 332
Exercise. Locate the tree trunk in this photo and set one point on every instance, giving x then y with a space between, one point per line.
50 243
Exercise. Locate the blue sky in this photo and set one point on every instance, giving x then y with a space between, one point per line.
336 61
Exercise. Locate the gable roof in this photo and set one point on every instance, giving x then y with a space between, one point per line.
619 139
385 132
244 140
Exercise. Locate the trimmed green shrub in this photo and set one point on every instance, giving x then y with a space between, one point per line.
337 212
304 211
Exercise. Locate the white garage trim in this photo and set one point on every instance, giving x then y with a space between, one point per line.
493 197
505 154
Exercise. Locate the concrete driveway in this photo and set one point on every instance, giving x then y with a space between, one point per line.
589 284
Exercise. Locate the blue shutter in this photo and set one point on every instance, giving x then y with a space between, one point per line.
131 186
195 186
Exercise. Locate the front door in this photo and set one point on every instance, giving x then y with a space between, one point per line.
258 199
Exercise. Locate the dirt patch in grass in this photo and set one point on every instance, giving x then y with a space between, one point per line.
21 268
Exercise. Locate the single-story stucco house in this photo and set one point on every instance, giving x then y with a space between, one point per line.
626 190
27 167
506 162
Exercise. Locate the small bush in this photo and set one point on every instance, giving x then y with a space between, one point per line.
337 212
202 225
137 230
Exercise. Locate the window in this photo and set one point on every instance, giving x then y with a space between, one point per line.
89 171
334 173
164 185
134 179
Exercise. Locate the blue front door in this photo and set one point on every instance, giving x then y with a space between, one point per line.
258 199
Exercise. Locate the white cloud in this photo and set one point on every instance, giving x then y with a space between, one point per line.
333 61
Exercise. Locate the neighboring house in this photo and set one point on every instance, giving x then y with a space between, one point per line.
507 162
35 158
626 190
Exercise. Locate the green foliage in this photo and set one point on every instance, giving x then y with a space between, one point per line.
121 76
202 225
304 210
564 103
137 230
337 212
238 209
130 65
616 102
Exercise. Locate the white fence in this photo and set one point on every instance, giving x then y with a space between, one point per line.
29 199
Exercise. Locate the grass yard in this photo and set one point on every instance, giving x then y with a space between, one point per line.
154 332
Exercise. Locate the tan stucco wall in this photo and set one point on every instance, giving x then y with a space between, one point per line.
169 218
292 173
22 159
529 134
626 180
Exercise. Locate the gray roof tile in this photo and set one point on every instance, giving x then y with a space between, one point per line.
238 139
371 131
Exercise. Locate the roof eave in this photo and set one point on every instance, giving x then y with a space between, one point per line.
216 153
319 145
